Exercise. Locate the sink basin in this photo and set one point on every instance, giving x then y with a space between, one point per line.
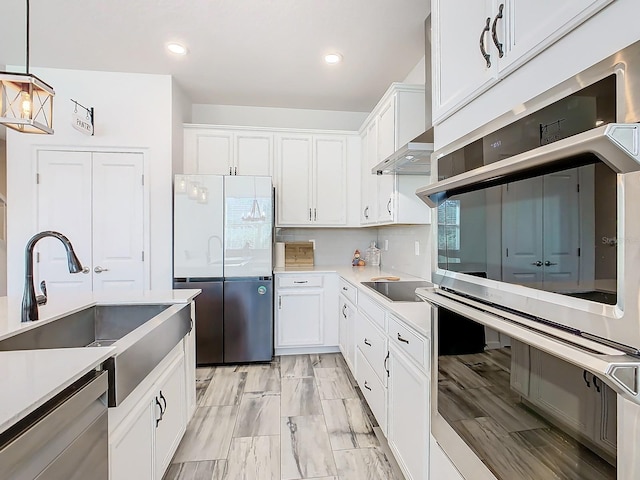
142 334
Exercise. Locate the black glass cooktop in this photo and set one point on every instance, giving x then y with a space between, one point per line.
398 291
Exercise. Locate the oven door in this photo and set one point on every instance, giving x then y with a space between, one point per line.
514 400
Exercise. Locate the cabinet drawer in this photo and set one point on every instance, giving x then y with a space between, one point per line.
349 291
300 281
373 345
374 311
409 342
374 392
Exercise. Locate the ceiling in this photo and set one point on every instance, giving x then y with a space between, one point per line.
241 52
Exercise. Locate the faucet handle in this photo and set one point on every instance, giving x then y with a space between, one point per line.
42 299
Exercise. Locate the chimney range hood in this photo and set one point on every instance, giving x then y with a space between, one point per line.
414 158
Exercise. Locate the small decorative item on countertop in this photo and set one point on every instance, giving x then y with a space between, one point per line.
357 261
372 255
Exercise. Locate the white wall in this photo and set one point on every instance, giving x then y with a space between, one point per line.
180 114
277 117
132 111
607 32
417 74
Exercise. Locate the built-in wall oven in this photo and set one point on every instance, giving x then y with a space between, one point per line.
536 335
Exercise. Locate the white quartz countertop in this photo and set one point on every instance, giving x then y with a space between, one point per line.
29 378
417 315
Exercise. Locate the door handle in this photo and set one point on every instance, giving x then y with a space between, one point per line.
366 385
86 270
315 214
402 339
494 34
366 212
548 263
309 214
235 170
389 206
483 50
386 364
367 342
164 400
158 420
344 307
230 170
537 264
99 269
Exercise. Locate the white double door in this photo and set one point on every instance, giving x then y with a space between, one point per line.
96 200
541 231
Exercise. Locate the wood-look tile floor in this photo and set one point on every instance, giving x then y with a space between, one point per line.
299 417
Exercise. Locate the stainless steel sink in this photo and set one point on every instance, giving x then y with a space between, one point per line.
142 334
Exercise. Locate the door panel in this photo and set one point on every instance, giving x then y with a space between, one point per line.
254 153
118 221
214 153
330 195
64 205
294 195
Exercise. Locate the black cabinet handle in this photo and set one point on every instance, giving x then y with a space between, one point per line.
366 342
483 50
595 383
161 412
403 339
386 364
494 34
584 376
230 171
345 289
366 212
344 307
164 400
367 386
389 206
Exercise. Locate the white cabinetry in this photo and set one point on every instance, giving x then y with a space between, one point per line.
398 118
312 172
346 322
306 317
576 399
440 466
219 151
476 43
408 417
146 429
97 200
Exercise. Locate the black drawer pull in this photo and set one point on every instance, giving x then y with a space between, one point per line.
301 281
367 386
366 342
403 339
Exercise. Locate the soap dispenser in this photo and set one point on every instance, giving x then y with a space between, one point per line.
372 256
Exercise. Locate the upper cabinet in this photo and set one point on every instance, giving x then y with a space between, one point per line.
312 176
221 151
477 43
398 118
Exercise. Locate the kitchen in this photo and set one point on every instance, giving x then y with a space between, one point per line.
156 133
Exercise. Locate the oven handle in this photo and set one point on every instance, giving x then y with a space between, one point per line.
621 372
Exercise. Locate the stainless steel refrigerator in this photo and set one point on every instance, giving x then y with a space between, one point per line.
222 244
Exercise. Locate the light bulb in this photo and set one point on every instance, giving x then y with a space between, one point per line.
25 104
194 190
181 185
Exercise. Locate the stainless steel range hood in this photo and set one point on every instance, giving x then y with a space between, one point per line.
414 158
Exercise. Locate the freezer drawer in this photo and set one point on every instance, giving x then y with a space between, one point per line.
248 327
209 319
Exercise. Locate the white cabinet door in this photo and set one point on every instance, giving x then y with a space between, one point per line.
97 200
208 151
460 70
299 317
386 129
294 173
533 26
369 202
253 153
386 198
330 182
408 417
347 318
606 436
131 446
118 231
171 424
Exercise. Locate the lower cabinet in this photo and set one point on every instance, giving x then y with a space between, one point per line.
143 442
346 331
306 316
408 415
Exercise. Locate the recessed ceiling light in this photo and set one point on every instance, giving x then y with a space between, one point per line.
177 48
332 58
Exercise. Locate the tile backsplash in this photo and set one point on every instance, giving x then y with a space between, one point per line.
335 246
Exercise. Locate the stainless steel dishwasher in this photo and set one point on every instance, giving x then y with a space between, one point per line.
66 438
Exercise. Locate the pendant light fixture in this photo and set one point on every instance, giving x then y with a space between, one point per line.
26 102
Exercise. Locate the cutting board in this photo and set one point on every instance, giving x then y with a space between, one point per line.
299 254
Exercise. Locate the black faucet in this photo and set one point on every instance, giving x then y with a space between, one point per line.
29 300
